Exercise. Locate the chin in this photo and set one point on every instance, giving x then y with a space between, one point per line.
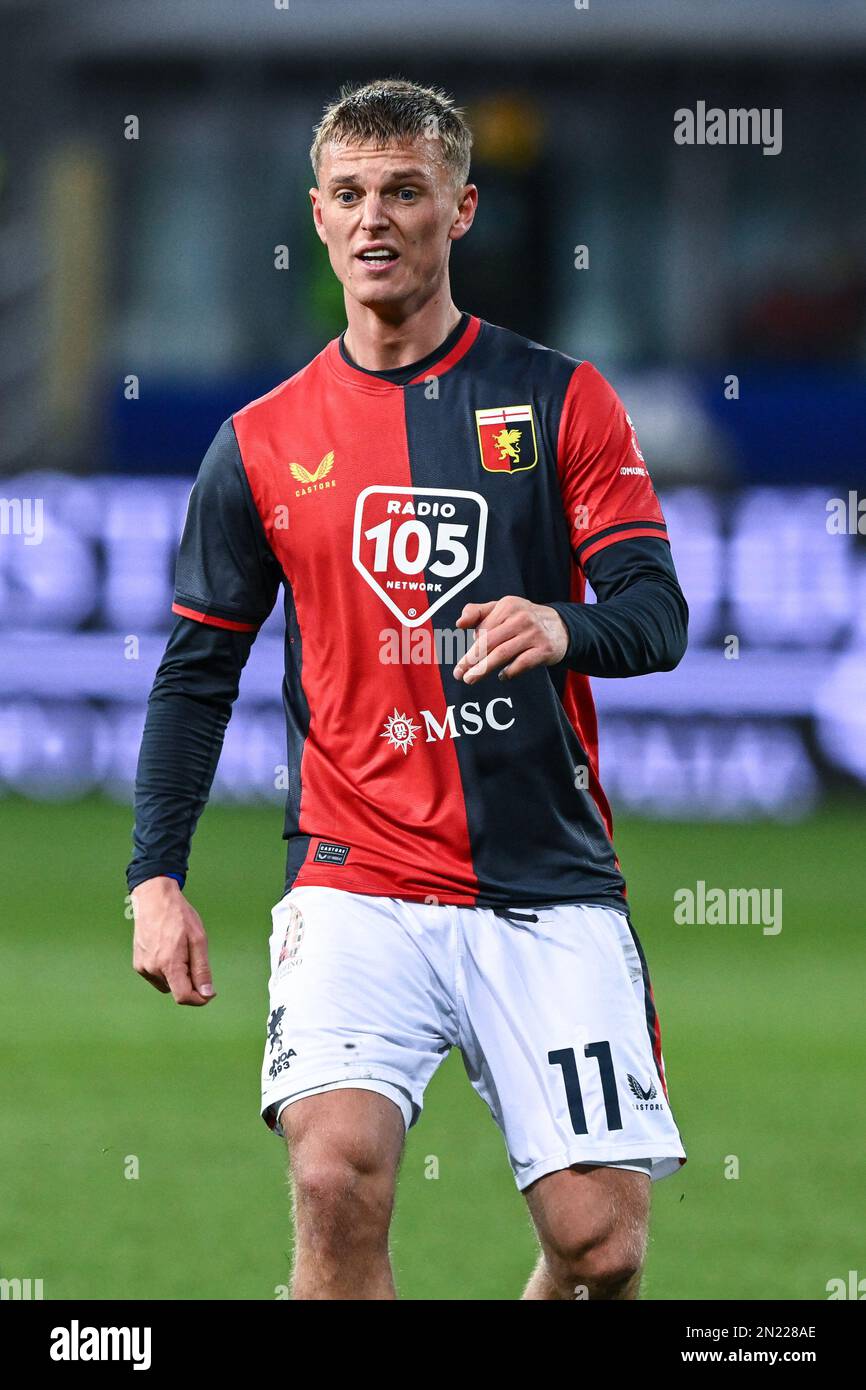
373 295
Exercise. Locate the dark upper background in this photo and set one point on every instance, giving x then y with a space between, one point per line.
155 257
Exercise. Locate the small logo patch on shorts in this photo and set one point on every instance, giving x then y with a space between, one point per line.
644 1098
290 951
281 1062
330 853
275 1026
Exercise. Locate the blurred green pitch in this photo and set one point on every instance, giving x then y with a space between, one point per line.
763 1040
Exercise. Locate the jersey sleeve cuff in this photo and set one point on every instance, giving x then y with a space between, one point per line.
571 615
140 873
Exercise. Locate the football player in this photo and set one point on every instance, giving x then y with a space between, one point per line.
432 492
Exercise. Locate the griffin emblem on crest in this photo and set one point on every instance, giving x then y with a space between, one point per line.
508 444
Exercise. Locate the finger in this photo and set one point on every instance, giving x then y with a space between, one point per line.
157 981
181 985
474 653
474 613
501 656
199 967
505 619
526 661
488 638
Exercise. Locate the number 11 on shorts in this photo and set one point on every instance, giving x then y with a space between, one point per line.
566 1059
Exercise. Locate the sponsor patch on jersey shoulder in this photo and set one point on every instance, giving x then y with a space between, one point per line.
506 438
327 852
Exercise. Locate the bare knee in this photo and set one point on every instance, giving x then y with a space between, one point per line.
343 1176
596 1261
339 1205
593 1226
603 1269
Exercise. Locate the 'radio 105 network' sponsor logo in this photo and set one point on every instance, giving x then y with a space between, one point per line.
417 547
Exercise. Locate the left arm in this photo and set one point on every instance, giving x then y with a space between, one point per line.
638 625
640 622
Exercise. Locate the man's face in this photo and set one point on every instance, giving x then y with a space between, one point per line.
388 217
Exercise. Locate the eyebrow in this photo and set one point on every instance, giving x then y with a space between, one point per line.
395 176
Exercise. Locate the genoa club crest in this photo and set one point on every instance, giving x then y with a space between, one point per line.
506 437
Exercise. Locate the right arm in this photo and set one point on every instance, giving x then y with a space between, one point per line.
226 583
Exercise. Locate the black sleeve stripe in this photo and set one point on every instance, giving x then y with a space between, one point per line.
615 529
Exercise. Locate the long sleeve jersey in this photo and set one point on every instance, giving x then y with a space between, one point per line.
382 503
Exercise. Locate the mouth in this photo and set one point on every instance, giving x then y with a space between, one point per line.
378 259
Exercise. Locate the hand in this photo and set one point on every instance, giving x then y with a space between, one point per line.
170 945
512 633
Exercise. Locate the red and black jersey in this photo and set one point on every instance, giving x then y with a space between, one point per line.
383 506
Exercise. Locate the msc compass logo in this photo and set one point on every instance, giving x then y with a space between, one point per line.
459 720
400 731
643 1097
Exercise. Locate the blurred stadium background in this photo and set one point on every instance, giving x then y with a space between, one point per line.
140 305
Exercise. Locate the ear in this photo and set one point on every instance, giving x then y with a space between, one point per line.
467 206
316 200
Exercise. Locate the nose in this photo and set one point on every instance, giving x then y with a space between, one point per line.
374 216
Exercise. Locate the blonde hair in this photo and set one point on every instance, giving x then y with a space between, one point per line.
393 108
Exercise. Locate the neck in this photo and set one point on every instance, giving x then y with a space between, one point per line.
380 343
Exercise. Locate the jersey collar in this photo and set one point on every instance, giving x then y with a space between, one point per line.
434 366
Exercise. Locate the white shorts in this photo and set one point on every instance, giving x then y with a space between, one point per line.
554 1018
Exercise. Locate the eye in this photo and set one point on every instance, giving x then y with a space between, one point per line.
343 195
409 195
